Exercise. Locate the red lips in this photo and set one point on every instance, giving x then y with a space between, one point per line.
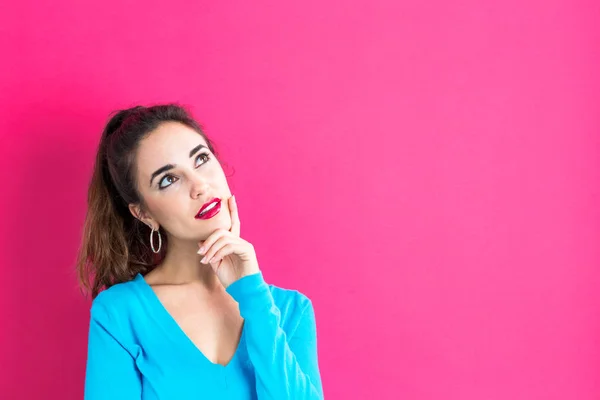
213 211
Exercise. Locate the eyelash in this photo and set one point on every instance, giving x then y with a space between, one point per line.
207 156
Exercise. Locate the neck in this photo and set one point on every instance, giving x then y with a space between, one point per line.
181 265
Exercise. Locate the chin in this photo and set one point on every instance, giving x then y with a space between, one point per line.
219 221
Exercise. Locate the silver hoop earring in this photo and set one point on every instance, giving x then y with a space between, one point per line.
152 241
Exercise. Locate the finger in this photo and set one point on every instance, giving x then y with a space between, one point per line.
229 248
222 241
206 244
235 216
215 266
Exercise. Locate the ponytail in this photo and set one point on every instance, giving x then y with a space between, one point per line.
115 245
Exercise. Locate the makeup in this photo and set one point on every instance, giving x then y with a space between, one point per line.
209 209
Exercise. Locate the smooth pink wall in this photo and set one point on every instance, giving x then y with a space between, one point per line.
427 172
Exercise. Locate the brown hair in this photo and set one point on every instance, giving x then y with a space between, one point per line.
115 245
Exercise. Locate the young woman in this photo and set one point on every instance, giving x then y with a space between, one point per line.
180 308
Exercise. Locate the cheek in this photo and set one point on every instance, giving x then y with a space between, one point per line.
219 176
168 210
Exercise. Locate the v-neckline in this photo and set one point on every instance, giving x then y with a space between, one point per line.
168 319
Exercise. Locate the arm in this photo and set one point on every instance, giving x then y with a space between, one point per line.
110 370
286 368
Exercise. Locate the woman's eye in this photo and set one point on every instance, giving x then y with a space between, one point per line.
204 156
163 179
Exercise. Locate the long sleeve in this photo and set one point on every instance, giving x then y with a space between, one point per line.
285 368
110 370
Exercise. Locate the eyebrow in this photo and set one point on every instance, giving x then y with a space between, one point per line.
171 166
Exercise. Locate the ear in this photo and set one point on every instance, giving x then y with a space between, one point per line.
138 213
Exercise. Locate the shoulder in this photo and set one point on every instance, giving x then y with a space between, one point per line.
289 296
294 305
116 301
116 311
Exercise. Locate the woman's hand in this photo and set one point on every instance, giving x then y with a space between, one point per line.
230 256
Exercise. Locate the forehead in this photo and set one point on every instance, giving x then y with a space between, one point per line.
171 143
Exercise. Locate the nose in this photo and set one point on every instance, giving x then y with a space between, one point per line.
198 187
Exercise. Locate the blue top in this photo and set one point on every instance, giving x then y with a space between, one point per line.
136 350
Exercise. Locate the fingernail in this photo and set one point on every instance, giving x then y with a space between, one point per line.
201 251
203 261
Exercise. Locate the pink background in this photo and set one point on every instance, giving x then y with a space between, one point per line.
426 172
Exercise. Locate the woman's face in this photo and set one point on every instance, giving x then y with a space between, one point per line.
177 174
